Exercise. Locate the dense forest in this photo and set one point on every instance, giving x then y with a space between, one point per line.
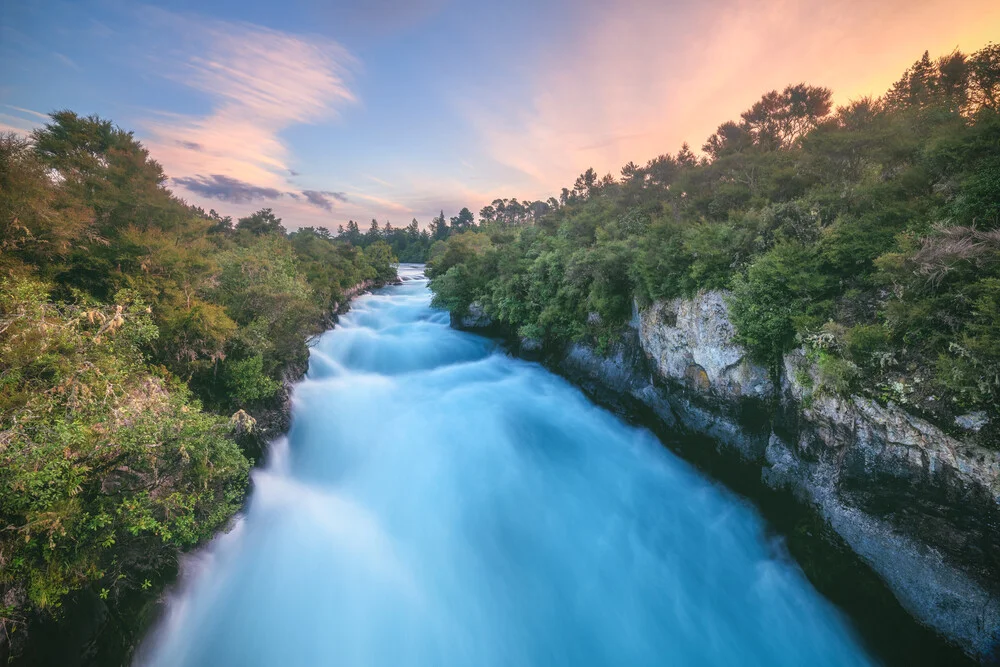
138 337
410 243
869 234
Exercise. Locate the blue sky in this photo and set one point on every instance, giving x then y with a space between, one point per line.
327 111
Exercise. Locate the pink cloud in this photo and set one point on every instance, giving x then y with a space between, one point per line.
258 81
638 78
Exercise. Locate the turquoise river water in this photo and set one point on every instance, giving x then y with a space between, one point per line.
438 502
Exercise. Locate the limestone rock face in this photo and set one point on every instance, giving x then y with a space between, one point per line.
919 505
530 344
873 440
974 421
691 341
530 348
922 507
475 318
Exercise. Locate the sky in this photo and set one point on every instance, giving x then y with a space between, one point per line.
397 109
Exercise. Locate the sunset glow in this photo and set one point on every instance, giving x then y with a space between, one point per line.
335 114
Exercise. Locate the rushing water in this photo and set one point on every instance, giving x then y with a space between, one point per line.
440 503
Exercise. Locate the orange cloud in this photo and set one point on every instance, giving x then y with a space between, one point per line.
639 78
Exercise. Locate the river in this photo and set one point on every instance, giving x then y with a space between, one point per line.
438 502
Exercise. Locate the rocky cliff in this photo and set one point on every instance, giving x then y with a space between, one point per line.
919 506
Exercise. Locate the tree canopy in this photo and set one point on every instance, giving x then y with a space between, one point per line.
867 234
138 337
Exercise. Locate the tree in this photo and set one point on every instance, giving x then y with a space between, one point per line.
381 258
729 138
103 168
463 221
439 228
661 170
353 234
261 223
221 225
586 183
487 215
38 223
953 80
373 234
916 87
537 209
778 120
631 171
984 73
107 167
685 157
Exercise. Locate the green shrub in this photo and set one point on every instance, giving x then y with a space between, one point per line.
453 290
247 382
836 374
870 346
105 470
781 294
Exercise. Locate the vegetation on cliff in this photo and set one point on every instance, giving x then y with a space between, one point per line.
132 326
869 233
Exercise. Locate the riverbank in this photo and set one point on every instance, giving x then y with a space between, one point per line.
676 370
271 419
94 630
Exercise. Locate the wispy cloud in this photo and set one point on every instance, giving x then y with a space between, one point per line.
324 198
234 191
29 112
18 123
379 181
225 188
258 81
65 60
269 74
382 203
99 29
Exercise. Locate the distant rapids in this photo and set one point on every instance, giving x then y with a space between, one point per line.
438 502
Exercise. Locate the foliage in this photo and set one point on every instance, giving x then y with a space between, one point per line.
247 382
408 244
131 326
382 261
877 220
105 469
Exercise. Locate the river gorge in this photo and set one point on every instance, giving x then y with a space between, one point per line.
438 501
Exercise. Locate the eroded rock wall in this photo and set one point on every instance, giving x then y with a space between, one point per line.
920 506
